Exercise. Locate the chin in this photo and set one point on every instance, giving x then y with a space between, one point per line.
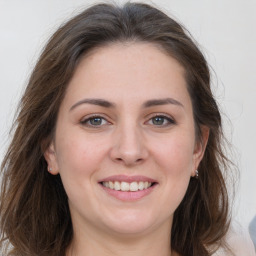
132 223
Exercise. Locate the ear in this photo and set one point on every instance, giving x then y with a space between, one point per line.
200 147
51 159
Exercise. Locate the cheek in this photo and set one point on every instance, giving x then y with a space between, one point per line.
176 155
79 159
78 155
175 158
176 178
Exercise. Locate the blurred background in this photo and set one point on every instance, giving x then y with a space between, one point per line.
225 31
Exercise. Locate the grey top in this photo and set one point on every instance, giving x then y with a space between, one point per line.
252 231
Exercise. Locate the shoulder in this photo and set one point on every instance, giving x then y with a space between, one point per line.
239 241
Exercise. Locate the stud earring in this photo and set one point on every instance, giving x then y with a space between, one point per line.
196 174
49 169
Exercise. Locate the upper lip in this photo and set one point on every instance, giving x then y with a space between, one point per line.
128 179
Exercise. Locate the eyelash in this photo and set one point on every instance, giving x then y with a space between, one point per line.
86 121
167 119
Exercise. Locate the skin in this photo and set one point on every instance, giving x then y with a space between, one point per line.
127 140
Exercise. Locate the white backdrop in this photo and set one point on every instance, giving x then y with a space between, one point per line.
225 29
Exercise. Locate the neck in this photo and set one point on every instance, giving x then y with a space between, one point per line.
91 242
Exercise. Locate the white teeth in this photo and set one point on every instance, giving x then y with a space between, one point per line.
134 186
111 185
141 185
106 184
125 186
117 185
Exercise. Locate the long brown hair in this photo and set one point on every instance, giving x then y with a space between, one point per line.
34 212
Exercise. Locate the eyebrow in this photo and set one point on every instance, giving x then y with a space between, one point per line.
147 104
157 102
98 102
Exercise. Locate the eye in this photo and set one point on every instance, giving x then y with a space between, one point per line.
94 121
161 120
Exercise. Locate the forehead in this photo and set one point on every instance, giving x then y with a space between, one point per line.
130 70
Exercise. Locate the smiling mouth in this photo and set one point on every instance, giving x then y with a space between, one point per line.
127 186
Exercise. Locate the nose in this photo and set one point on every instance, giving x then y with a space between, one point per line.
129 146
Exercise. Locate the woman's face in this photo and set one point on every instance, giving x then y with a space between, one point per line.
125 143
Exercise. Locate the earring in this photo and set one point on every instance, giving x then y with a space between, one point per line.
49 169
196 174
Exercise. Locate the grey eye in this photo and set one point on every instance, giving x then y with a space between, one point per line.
158 120
95 121
161 121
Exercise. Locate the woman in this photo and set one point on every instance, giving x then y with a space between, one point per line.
117 145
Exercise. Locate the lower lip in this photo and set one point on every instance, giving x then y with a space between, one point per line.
128 195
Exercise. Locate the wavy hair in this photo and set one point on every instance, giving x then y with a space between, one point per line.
34 212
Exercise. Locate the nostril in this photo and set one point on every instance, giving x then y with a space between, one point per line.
129 161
